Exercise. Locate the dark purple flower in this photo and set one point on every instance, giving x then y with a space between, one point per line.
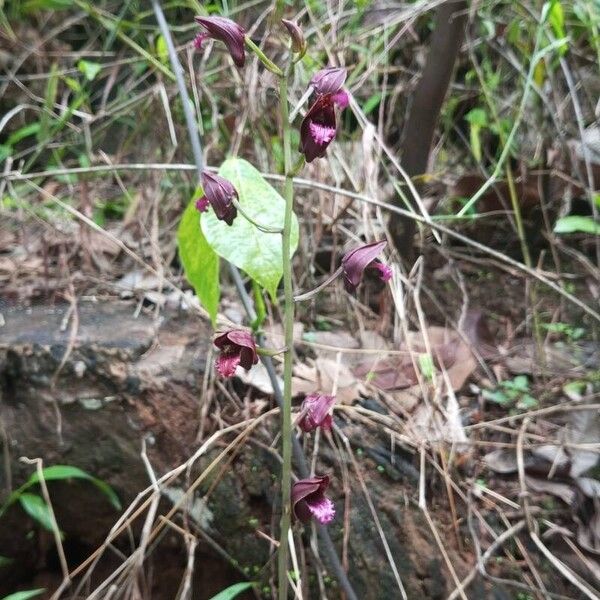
357 260
329 80
237 348
318 128
315 412
309 500
296 35
220 193
226 31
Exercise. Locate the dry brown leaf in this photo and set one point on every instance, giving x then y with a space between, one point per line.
450 351
320 375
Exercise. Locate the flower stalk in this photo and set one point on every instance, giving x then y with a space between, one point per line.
288 327
264 59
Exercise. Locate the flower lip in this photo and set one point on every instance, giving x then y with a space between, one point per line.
228 32
318 128
357 260
309 500
315 410
237 348
329 80
202 204
220 193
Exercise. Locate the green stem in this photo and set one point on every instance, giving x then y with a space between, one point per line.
264 228
288 325
264 59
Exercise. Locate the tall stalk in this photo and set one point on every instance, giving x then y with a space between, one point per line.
288 325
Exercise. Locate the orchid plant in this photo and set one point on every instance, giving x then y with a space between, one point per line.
238 216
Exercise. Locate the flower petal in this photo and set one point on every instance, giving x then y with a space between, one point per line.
321 134
316 128
322 509
228 32
385 271
316 409
341 99
357 260
227 363
329 80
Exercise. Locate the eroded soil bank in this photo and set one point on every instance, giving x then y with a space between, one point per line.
93 394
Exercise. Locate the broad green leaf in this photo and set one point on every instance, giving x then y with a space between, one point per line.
577 224
89 69
233 590
200 262
4 561
37 509
257 253
59 472
25 595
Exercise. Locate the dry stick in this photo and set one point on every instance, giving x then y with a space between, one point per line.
246 301
434 531
565 571
483 559
129 515
365 490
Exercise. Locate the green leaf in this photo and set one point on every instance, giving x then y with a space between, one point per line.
426 366
59 472
496 396
556 18
477 116
520 383
577 224
233 590
49 101
33 5
37 509
372 103
257 253
161 49
25 595
22 133
200 262
89 69
5 561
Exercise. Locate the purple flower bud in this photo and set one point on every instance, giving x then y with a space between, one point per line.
329 80
309 500
357 260
237 348
296 35
220 193
318 128
228 32
315 410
